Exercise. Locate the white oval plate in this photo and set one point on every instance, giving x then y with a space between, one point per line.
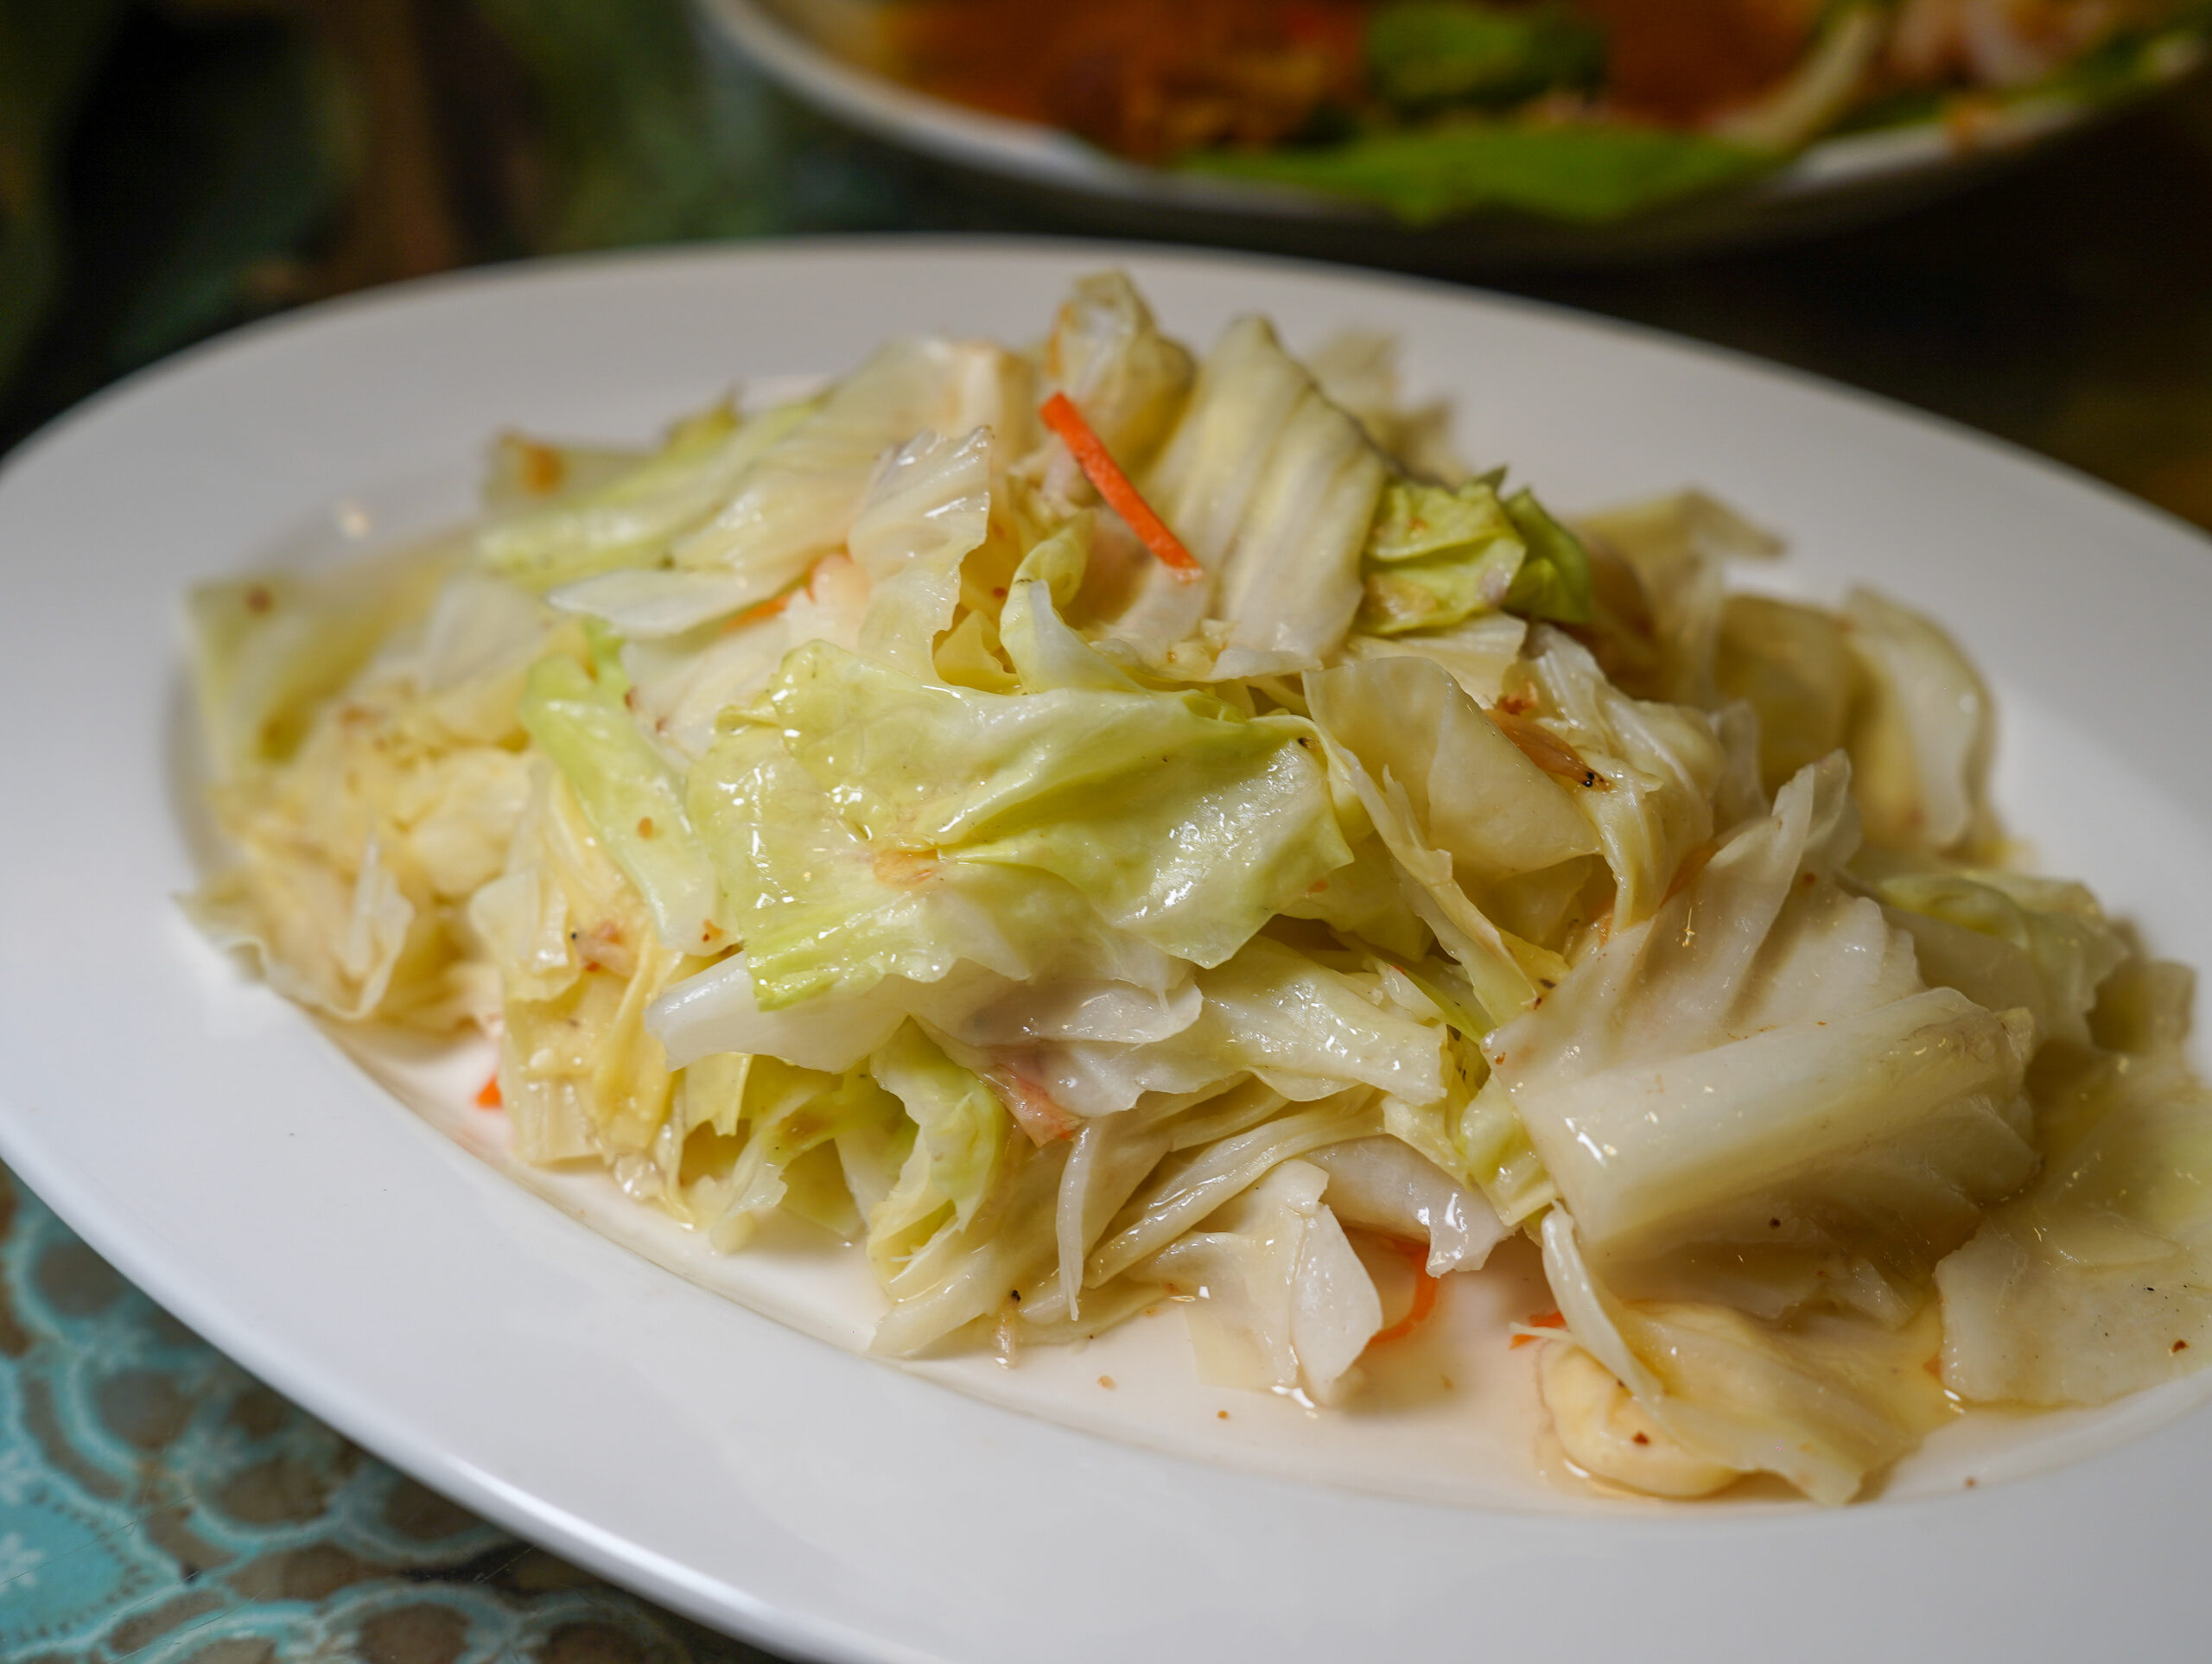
211 1143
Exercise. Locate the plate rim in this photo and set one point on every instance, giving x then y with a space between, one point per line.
1109 249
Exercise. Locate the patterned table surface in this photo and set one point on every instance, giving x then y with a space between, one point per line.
159 1504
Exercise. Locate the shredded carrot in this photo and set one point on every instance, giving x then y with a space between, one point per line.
767 609
1424 1294
489 1097
1542 1320
1099 467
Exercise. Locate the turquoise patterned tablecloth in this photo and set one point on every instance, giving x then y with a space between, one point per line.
159 1504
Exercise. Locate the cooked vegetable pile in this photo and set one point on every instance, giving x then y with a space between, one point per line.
1577 109
1092 825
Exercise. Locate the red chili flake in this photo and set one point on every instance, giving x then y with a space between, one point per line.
488 1097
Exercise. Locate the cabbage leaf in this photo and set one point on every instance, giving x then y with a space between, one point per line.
631 517
1922 733
1281 1300
1758 1065
1273 488
1184 822
2097 1280
630 796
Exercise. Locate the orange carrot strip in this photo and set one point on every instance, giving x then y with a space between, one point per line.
489 1097
1424 1294
767 609
1099 467
1541 1320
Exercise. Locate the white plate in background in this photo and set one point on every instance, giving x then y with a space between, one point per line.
817 49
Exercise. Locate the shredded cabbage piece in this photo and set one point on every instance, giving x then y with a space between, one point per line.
840 815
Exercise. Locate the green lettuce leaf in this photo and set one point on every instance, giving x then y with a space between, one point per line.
1422 53
1588 174
1415 521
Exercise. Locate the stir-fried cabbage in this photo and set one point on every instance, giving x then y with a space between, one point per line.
858 812
1273 488
1754 1075
1283 1301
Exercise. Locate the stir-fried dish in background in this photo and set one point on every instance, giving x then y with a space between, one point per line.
1578 109
1090 824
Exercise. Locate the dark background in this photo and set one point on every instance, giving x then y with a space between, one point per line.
168 167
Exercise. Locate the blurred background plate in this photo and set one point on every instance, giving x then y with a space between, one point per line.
818 50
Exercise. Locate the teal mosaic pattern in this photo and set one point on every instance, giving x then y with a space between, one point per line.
158 1504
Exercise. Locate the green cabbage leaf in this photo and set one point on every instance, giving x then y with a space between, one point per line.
632 797
1182 820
